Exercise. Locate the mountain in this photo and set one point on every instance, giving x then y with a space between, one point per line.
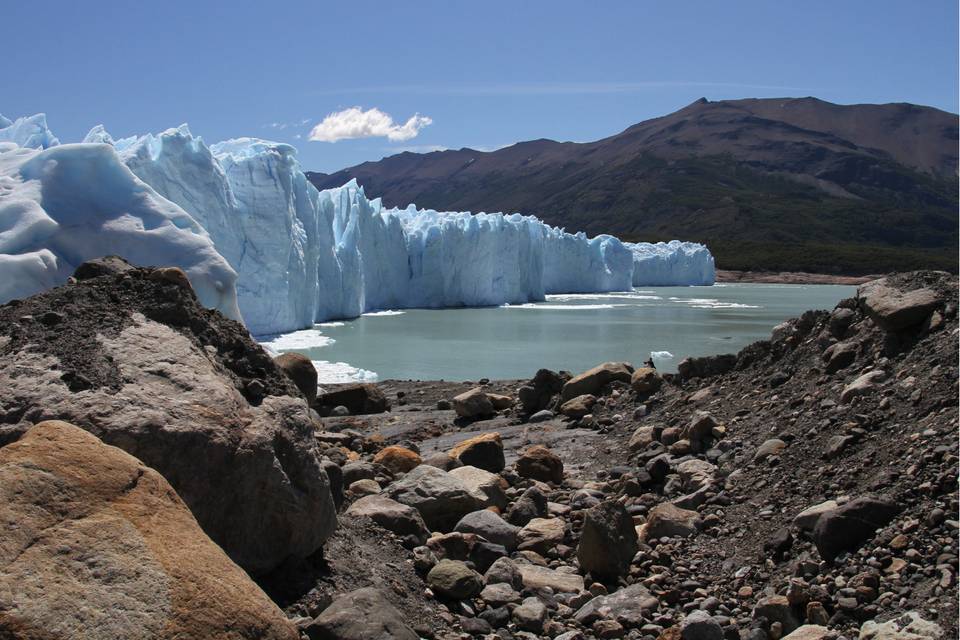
767 184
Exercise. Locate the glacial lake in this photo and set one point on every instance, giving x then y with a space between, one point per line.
571 332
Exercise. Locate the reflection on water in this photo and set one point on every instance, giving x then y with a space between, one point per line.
572 332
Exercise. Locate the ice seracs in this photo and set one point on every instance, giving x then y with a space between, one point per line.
671 263
300 255
65 204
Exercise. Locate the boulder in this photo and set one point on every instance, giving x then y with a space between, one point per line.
592 381
301 371
364 614
642 438
441 498
646 381
696 473
706 366
771 447
500 402
105 266
401 519
539 463
359 399
531 504
909 626
397 459
454 580
629 606
894 309
178 397
504 570
608 541
484 451
863 385
700 625
848 526
530 615
811 632
535 577
777 609
473 404
489 526
485 487
499 594
541 416
91 530
578 407
541 535
667 521
700 427
840 356
442 460
538 394
364 487
807 519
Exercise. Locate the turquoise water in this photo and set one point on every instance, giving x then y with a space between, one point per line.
571 332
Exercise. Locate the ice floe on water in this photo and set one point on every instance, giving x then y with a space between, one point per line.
661 355
562 307
387 312
341 372
713 303
303 339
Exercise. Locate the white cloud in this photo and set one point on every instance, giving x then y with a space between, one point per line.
284 125
356 123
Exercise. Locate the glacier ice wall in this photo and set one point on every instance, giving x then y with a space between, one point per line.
303 255
68 203
671 263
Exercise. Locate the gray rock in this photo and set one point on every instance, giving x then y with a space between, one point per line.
700 625
399 518
608 540
535 577
667 520
530 615
486 487
848 526
864 385
359 399
490 526
499 594
594 380
840 356
455 580
629 606
251 474
541 416
893 309
473 404
541 535
504 570
439 497
807 519
339 411
909 626
771 447
531 504
364 614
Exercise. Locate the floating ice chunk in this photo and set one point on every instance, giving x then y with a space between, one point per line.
340 372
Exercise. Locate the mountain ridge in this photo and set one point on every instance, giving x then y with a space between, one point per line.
771 184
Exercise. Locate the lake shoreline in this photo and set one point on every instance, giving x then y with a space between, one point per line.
789 277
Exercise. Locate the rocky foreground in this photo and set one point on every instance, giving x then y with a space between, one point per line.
153 458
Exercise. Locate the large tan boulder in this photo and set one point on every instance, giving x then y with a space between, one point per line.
94 544
474 403
243 459
592 381
484 451
894 306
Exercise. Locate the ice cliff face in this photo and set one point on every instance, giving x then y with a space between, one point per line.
303 255
671 263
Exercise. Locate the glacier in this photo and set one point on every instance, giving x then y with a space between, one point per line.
260 242
673 263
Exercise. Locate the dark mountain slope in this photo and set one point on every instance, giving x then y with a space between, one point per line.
783 184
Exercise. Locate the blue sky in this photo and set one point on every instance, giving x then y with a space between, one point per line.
484 74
